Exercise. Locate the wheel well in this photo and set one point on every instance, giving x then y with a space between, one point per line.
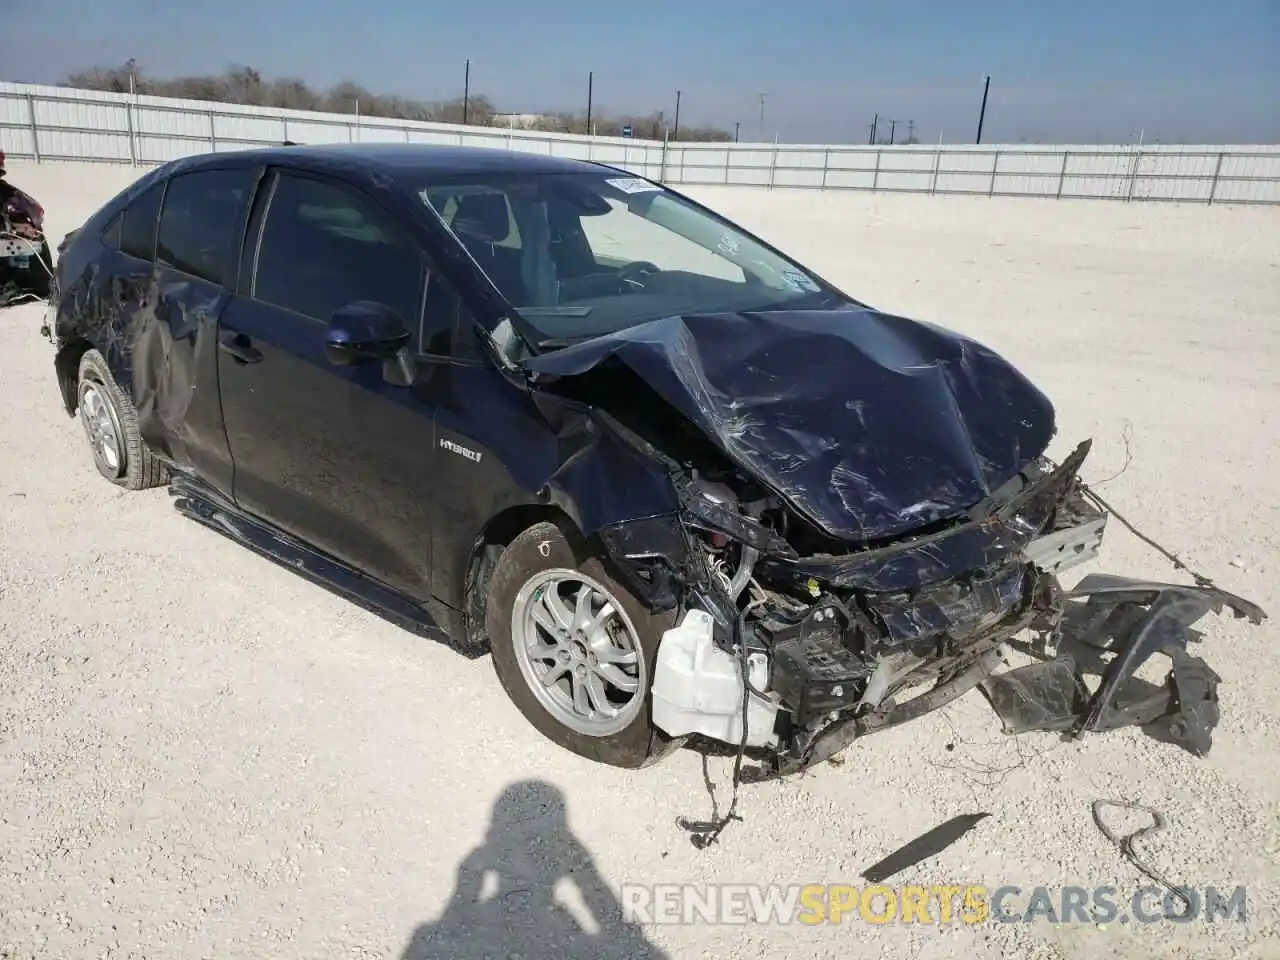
497 534
67 366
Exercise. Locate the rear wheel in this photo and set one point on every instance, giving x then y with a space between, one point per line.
575 650
111 426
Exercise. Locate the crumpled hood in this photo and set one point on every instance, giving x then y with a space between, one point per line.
869 424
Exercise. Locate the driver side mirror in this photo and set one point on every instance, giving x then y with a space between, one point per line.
364 330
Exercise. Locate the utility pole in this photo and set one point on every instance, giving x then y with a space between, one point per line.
762 96
736 127
893 126
874 123
675 131
466 93
982 114
911 131
590 82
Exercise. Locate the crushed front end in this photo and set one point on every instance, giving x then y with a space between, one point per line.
836 643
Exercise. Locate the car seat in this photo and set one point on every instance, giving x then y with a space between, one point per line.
482 221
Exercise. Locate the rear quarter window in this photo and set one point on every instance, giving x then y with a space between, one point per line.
111 232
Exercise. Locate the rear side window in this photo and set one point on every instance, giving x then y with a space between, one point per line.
201 221
325 246
138 231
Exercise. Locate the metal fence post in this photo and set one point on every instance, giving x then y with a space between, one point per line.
1062 174
35 130
133 147
662 163
1213 187
213 136
284 124
826 162
937 163
995 166
773 162
1133 174
875 177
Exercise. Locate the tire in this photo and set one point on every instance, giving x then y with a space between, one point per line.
104 409
543 551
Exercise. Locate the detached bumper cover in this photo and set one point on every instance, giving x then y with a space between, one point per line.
1132 620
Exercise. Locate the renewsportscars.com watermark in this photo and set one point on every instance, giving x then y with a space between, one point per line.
969 904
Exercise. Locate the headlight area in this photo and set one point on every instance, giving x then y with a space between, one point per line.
701 561
815 656
782 637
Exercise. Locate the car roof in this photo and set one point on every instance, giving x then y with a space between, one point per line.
414 159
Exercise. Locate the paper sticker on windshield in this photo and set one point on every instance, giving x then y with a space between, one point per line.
633 185
798 280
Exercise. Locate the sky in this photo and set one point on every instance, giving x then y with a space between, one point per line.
1083 71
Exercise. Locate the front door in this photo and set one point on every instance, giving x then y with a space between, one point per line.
340 456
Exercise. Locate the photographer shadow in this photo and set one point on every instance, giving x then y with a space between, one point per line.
505 902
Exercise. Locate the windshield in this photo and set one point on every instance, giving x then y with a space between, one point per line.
584 254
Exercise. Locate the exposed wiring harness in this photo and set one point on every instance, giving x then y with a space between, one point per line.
1127 849
1200 579
703 833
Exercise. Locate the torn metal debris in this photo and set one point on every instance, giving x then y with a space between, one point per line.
1132 620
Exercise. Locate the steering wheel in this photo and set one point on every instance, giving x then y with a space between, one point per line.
634 273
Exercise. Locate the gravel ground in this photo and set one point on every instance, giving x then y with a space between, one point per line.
203 755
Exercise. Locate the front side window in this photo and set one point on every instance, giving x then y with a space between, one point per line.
580 255
325 246
201 221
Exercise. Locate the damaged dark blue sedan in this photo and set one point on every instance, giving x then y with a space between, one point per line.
673 481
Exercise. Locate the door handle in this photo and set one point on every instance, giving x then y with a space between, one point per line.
240 347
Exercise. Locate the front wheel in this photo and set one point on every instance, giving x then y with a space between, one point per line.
574 650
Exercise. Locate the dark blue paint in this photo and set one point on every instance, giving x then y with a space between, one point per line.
868 424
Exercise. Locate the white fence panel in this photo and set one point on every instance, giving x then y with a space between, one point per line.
62 123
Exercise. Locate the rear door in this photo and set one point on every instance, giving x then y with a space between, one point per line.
158 304
340 456
202 221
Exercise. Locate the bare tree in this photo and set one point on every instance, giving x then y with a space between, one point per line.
246 85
